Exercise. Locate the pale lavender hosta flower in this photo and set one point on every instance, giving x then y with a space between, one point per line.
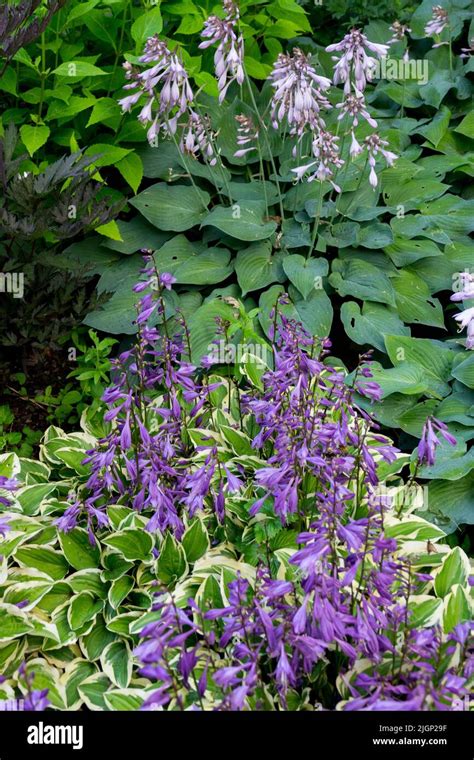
197 138
355 67
166 86
247 133
229 56
429 441
465 319
354 105
438 22
299 93
7 484
468 52
399 32
326 154
374 146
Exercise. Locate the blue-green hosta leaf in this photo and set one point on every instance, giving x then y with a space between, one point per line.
464 370
433 356
172 207
371 324
451 214
375 235
203 327
413 192
258 266
448 467
315 312
451 503
458 407
244 220
405 251
305 274
406 378
415 304
358 278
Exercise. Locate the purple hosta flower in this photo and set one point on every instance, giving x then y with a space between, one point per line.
246 133
326 152
468 52
36 700
429 440
165 85
229 56
438 22
399 32
299 93
167 280
197 138
166 653
355 67
7 484
354 106
374 146
4 526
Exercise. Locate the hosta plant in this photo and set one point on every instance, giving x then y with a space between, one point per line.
229 542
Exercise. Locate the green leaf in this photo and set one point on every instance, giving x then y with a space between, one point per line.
358 278
203 327
243 220
103 110
95 642
78 70
171 563
455 569
257 266
195 541
47 560
457 608
31 497
133 544
375 235
464 371
105 154
82 608
131 169
433 356
78 550
119 590
117 663
34 138
426 611
414 301
13 622
466 127
406 378
305 274
176 207
146 25
371 324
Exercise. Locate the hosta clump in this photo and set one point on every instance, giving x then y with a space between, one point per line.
339 600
